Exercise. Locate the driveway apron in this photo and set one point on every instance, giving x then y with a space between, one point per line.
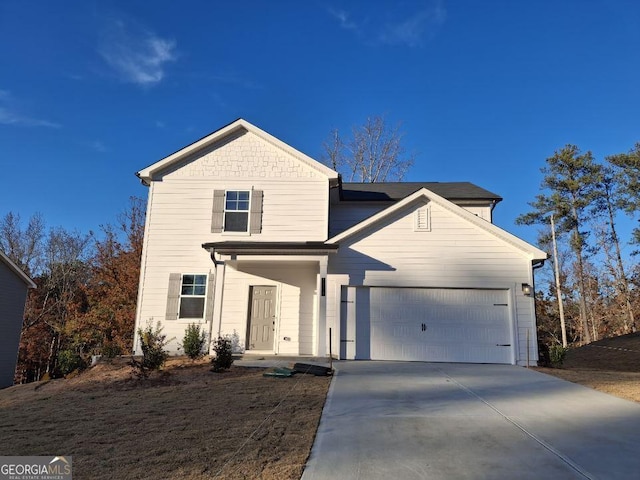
410 420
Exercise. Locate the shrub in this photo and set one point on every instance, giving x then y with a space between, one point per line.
223 355
152 343
194 341
557 354
111 350
68 361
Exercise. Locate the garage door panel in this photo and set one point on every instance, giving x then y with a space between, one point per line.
460 325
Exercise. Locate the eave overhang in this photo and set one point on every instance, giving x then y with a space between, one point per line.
270 248
17 270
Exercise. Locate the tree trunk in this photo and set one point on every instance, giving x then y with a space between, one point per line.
577 247
563 327
624 282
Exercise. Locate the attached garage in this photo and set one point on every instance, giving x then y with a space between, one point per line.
429 324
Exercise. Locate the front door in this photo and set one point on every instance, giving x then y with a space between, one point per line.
262 318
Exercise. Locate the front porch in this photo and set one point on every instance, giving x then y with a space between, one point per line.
270 298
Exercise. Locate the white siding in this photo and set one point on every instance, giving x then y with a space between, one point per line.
347 214
295 303
483 212
13 293
295 207
454 254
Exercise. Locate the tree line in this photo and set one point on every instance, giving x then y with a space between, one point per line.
597 286
86 294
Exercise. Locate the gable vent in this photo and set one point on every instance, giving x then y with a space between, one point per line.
422 219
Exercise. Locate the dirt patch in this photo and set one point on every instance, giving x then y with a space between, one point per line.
185 422
611 365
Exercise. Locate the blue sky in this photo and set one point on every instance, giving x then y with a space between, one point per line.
91 92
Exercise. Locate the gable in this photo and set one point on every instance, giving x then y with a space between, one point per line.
242 156
238 150
448 223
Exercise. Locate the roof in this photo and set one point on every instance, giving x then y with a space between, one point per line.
17 270
392 191
147 173
529 250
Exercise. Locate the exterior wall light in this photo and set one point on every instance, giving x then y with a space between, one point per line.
527 289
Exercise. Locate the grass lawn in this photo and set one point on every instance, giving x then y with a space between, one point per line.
190 423
186 422
611 365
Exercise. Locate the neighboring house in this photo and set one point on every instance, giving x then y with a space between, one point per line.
251 238
13 295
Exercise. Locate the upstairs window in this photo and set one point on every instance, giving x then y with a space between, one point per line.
236 211
192 296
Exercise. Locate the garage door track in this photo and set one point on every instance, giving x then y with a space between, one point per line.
456 421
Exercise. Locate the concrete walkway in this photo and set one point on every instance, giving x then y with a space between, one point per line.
458 421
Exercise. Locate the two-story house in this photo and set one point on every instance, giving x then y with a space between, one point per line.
253 239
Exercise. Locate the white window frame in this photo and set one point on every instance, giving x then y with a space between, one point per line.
248 211
203 296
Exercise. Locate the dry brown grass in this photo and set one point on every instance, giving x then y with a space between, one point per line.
611 365
186 422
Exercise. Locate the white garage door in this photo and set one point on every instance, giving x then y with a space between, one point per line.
440 325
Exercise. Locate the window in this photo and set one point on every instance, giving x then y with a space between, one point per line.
236 211
192 295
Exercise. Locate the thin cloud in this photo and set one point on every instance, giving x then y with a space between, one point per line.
136 54
413 30
10 115
343 19
408 29
98 146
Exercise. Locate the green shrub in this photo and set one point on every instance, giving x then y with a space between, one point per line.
69 361
194 341
152 343
557 354
223 355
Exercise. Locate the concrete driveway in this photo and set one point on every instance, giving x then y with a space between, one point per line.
397 420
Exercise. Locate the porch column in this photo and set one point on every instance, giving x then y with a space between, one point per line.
321 288
217 304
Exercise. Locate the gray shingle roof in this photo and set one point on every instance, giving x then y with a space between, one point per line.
391 191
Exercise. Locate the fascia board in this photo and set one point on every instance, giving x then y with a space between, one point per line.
17 270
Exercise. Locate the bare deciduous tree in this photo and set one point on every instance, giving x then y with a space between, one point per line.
22 245
373 154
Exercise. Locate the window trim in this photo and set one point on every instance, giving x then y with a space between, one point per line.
203 296
248 212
